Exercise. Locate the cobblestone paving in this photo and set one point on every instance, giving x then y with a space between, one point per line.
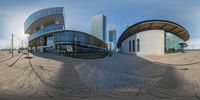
120 77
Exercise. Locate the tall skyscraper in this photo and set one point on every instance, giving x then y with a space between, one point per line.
113 37
98 28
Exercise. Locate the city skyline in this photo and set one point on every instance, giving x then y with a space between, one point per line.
121 14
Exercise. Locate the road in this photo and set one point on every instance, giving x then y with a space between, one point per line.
119 77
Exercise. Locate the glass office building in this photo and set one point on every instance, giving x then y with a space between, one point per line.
112 38
47 32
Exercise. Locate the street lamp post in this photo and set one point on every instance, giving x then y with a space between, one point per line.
12 46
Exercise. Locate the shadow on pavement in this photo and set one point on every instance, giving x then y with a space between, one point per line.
116 72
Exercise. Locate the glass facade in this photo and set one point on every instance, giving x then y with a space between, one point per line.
40 14
49 34
112 35
49 41
79 39
172 43
45 30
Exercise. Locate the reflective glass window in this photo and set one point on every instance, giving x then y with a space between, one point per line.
172 43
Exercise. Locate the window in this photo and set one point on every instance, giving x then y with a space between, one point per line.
138 45
172 43
133 46
64 37
129 46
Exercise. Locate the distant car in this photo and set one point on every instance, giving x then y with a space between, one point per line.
25 52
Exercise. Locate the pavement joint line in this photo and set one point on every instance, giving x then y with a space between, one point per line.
15 61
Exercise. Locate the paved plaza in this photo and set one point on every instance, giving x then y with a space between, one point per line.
119 77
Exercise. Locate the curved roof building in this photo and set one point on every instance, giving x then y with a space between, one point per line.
153 37
44 21
47 33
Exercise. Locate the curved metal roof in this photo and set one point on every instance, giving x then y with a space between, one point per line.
167 26
45 22
42 14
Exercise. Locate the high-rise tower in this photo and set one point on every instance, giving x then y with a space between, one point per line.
98 28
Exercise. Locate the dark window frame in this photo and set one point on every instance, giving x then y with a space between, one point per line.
138 45
129 46
133 45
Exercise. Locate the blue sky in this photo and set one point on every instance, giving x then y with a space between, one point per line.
120 13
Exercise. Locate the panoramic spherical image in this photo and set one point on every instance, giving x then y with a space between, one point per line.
99 50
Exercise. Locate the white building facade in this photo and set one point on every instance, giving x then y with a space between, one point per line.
98 26
143 43
153 37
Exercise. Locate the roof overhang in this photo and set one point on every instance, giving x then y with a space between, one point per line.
45 21
167 26
43 17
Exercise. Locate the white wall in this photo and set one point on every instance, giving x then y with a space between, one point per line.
151 43
125 45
